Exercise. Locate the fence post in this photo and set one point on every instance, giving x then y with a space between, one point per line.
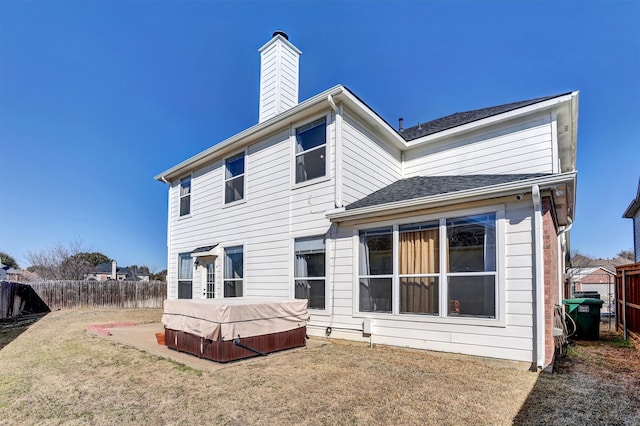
624 303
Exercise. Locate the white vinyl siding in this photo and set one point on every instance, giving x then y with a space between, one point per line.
519 147
368 164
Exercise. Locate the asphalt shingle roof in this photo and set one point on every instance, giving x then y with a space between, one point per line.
461 118
425 186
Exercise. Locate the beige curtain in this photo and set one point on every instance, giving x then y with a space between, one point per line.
419 254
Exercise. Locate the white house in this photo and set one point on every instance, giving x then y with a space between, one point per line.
633 213
447 236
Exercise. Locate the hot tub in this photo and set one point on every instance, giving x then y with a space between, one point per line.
226 330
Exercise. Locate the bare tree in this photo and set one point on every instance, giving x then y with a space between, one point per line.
60 262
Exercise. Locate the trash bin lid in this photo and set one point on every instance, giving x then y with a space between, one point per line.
583 301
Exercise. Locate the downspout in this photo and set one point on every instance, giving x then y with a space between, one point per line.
168 231
563 246
539 276
337 133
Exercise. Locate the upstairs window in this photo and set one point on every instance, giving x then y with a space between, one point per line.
309 271
234 179
185 196
311 148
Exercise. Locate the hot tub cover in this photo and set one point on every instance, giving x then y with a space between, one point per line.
226 319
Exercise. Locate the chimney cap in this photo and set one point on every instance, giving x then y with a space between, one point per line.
280 32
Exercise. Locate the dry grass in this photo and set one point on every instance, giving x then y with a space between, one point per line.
56 372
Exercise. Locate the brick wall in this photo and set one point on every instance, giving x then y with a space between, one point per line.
551 279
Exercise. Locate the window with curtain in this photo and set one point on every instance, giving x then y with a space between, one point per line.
419 265
309 270
234 179
311 147
185 196
376 270
233 271
471 273
185 276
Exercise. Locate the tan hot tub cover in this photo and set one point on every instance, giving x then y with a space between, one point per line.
226 319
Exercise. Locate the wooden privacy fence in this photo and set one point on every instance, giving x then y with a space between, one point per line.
101 294
18 299
628 295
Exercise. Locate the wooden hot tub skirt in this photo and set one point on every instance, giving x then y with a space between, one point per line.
225 351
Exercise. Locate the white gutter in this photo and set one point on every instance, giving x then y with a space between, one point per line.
562 248
503 189
539 277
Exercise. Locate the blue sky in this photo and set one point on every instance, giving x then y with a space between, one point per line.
97 97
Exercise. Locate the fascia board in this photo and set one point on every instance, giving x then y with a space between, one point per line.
440 200
373 119
475 125
249 135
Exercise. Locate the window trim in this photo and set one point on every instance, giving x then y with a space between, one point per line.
327 241
224 180
184 255
180 196
327 144
500 289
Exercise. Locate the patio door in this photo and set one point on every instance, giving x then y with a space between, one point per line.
210 280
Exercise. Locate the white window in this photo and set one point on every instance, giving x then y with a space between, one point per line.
467 286
185 276
233 271
311 147
234 179
376 270
185 196
309 271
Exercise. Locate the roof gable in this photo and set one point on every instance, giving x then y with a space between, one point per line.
634 206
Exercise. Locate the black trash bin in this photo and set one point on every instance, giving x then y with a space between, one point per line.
585 313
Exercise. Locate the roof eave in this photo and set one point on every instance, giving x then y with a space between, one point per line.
440 200
478 124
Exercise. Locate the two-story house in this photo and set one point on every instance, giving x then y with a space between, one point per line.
448 236
633 212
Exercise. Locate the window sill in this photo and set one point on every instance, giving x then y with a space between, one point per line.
235 203
310 182
186 216
319 312
480 322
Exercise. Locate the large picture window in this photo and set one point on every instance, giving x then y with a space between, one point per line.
185 276
234 179
376 270
233 271
311 147
456 277
185 196
309 271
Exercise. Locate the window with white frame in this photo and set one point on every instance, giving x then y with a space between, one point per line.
233 271
376 270
309 270
311 149
185 196
185 276
447 262
234 179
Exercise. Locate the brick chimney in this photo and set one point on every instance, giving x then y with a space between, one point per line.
278 76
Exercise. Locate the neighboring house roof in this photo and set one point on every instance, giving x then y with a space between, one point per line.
102 268
460 118
579 274
26 275
634 206
426 186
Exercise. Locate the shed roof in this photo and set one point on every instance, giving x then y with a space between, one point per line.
426 186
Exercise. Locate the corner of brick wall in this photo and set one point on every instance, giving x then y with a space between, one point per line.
551 279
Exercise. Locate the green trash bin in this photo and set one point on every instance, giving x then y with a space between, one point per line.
586 314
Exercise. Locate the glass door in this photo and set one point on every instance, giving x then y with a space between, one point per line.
211 280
